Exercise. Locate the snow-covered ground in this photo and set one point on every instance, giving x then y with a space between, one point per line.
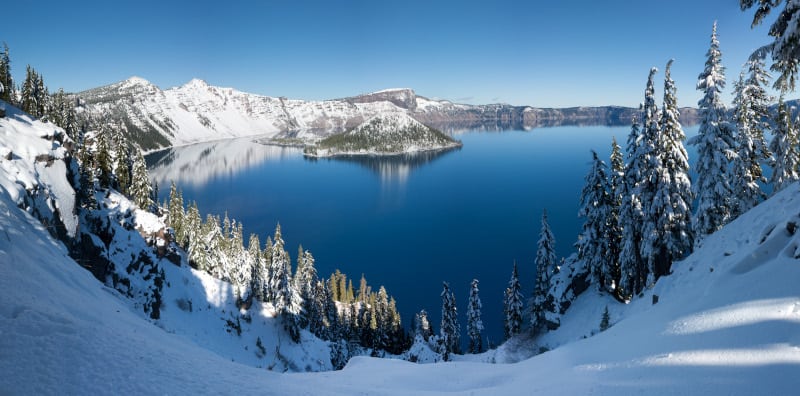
727 322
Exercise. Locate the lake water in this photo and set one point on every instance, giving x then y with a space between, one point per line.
407 223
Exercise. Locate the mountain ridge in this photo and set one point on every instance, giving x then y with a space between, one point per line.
156 118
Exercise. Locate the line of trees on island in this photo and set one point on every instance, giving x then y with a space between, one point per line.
638 211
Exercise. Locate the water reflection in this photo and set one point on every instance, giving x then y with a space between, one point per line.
392 169
200 163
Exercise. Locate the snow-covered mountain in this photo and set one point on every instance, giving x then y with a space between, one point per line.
197 112
385 134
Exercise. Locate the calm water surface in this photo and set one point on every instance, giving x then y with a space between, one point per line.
408 223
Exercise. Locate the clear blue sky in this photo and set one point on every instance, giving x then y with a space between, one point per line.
527 52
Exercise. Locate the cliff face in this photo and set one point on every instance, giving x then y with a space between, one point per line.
197 111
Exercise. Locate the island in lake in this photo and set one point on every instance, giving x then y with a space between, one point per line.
385 134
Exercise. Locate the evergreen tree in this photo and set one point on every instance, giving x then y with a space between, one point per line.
630 260
317 323
422 327
241 265
175 213
42 99
122 169
382 319
258 268
86 198
605 321
28 98
280 290
596 205
449 331
785 48
545 264
103 157
512 305
141 190
669 237
474 322
784 146
363 289
209 257
758 105
649 155
194 225
276 268
614 228
715 148
750 112
306 280
6 82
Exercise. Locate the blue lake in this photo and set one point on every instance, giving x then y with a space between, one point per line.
407 223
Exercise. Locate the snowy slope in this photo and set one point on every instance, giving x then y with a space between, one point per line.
733 330
727 320
32 168
199 308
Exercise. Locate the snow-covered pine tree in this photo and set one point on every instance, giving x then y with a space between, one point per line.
122 167
252 262
258 274
7 93
715 148
27 96
194 224
103 157
759 104
317 323
785 48
614 237
42 96
449 331
422 326
545 264
141 190
212 235
175 213
630 261
605 320
474 322
750 110
332 313
512 305
85 193
382 319
305 281
593 247
240 262
280 290
670 237
784 148
649 155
